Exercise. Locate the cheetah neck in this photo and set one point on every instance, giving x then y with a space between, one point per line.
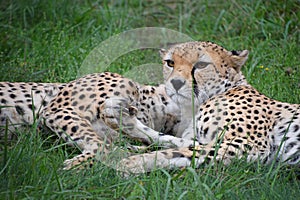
211 90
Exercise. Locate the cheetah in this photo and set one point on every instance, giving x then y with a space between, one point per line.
75 111
232 119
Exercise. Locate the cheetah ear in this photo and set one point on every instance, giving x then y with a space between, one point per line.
239 58
162 52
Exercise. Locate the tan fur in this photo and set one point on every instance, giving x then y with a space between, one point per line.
232 119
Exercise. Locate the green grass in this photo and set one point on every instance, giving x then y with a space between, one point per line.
48 40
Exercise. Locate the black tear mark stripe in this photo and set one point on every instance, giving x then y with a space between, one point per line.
195 86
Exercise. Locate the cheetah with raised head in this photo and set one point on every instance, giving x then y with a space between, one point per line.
232 118
75 111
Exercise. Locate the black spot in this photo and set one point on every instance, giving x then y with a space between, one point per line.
103 95
296 128
206 119
65 127
237 103
238 141
117 93
259 135
82 96
232 126
92 96
205 131
58 117
278 113
74 129
12 96
240 129
67 117
177 155
83 125
44 103
20 110
66 93
130 83
231 153
211 153
234 145
59 100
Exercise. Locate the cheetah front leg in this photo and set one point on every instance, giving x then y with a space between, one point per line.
75 130
191 156
118 114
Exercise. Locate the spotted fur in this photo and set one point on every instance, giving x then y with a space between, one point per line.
86 111
232 119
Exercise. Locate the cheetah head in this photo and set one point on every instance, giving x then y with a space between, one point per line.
202 69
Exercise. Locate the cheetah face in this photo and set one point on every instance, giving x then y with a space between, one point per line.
202 69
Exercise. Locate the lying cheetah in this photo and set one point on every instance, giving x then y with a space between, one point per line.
75 111
232 118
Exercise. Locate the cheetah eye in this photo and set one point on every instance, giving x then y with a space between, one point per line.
170 63
201 65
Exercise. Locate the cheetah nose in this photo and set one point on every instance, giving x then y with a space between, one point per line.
177 83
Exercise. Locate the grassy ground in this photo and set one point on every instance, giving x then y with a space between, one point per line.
48 40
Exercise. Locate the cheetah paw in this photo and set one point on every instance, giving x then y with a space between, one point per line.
118 114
